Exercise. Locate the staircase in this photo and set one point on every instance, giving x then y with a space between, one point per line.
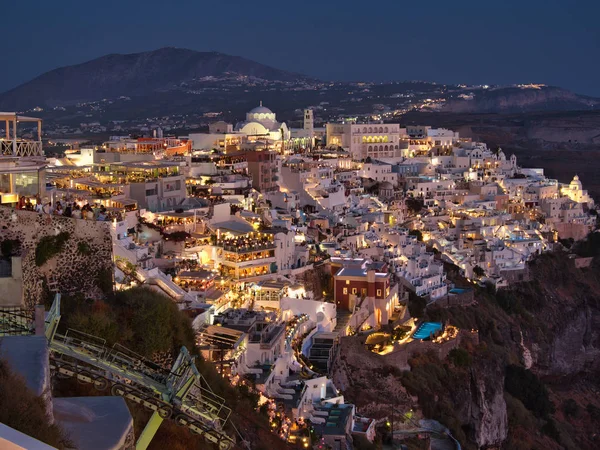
343 317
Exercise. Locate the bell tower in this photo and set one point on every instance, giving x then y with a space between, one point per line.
308 121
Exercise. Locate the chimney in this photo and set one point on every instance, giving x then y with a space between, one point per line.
371 283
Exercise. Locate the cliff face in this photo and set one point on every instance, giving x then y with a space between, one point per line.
514 99
550 326
575 347
486 410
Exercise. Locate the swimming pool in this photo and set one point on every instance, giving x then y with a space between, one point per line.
457 291
426 329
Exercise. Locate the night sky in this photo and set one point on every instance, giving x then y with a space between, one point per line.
479 42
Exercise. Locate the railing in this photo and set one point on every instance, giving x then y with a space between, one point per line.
15 320
23 148
246 249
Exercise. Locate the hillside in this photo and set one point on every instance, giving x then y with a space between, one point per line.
520 99
530 382
136 74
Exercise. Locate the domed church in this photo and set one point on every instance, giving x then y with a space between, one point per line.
262 122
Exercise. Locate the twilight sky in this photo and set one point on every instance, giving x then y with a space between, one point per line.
482 42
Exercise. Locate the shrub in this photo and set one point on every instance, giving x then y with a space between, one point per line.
176 236
10 247
104 280
593 411
416 233
551 430
525 386
50 246
83 248
460 357
416 305
478 271
571 408
25 412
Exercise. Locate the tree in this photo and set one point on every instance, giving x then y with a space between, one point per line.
478 271
524 385
416 233
414 205
25 412
416 305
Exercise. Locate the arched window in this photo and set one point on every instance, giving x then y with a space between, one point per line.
385 139
381 129
386 148
364 139
386 129
370 148
381 148
396 147
364 129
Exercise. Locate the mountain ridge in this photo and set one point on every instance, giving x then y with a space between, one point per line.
173 80
135 74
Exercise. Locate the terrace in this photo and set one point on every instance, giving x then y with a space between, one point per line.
12 145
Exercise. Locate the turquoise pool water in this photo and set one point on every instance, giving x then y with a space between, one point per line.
426 329
457 291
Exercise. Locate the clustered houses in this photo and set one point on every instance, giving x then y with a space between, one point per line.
277 253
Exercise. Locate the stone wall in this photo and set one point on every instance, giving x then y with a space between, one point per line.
516 275
88 272
11 288
460 299
582 263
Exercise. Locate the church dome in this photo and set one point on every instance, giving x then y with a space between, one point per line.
260 110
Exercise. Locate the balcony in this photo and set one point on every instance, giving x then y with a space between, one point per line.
20 147
247 248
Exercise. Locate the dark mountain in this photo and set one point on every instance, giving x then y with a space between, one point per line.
137 74
527 98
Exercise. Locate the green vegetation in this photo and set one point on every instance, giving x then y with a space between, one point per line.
400 332
83 248
104 280
50 246
593 411
416 305
526 386
25 412
176 236
590 246
460 357
10 247
152 325
140 319
571 408
414 205
478 271
429 379
416 233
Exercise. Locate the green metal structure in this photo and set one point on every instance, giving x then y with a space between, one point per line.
181 393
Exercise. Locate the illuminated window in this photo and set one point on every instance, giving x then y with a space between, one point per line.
354 291
347 281
345 291
378 292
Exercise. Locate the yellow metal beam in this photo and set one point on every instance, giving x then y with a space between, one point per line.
149 431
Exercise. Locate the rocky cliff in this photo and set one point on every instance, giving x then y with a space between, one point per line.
517 99
549 326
